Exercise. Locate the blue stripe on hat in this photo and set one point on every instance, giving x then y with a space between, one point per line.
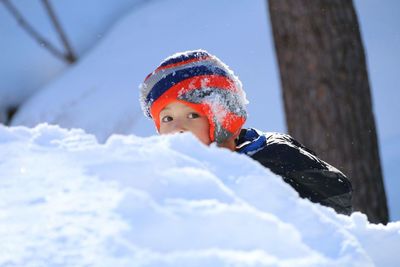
170 80
185 57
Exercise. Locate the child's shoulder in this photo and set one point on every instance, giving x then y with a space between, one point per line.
252 140
310 176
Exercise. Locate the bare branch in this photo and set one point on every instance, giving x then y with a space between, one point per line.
32 32
70 56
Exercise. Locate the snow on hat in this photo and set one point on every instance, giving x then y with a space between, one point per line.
203 82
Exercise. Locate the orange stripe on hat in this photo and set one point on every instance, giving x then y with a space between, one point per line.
173 65
172 94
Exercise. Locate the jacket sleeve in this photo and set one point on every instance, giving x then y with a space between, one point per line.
311 177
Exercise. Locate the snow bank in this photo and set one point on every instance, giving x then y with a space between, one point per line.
25 65
67 200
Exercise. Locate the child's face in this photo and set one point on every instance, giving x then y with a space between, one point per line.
178 118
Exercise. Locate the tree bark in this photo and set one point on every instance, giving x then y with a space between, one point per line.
326 92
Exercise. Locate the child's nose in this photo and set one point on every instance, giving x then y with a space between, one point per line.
179 127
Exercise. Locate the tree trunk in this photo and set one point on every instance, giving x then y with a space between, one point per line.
326 92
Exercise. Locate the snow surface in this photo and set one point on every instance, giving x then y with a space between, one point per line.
27 65
100 93
67 200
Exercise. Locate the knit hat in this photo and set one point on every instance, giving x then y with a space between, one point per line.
203 82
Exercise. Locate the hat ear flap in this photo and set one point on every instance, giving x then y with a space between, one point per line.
222 127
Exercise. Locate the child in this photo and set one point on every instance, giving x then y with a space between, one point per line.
194 91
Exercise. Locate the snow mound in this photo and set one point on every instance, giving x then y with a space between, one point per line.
67 200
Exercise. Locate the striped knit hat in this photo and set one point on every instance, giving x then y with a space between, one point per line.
203 82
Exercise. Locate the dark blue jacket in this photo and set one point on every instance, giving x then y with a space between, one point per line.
311 177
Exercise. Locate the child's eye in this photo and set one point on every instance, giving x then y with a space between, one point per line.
166 119
193 115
